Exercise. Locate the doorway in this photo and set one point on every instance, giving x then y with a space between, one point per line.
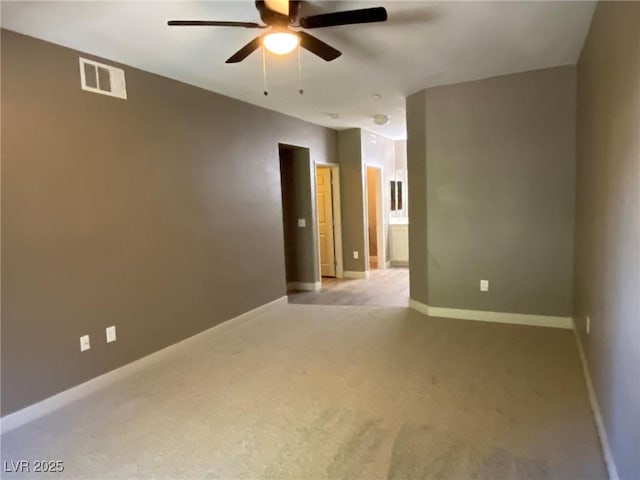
374 216
297 176
326 236
328 217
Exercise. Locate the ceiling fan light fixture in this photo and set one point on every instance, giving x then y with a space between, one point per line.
280 42
381 119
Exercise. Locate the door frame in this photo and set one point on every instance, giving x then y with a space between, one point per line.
337 216
382 247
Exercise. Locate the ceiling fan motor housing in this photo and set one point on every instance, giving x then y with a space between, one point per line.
275 19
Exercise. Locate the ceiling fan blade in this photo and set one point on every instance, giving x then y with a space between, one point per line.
279 6
348 17
245 51
212 23
318 47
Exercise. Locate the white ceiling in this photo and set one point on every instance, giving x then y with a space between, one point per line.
423 44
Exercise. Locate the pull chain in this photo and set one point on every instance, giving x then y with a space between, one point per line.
264 72
300 90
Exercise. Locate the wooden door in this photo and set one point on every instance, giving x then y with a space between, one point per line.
326 239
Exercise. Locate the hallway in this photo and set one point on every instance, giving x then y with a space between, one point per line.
388 287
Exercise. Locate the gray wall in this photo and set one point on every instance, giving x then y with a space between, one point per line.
160 214
499 179
417 173
300 243
352 199
607 268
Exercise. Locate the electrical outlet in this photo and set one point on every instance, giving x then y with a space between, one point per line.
355 255
484 285
111 334
85 344
587 324
302 222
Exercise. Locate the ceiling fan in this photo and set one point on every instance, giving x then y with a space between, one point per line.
280 18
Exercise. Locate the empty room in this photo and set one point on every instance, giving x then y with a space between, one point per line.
320 240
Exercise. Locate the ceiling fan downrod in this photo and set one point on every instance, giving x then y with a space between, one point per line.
264 72
300 90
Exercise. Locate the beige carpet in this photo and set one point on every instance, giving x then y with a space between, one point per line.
304 392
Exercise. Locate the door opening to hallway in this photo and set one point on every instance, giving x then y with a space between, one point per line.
383 282
297 177
375 241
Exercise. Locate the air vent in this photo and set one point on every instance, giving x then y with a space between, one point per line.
100 78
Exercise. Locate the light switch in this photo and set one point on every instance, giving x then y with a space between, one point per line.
484 285
302 223
84 343
111 334
355 254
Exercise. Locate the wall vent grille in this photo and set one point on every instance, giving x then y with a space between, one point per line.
100 78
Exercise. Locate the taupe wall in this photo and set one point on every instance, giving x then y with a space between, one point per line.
417 173
160 214
607 268
352 199
300 243
499 180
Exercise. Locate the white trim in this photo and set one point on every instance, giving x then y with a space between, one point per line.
497 317
348 274
595 408
388 264
317 264
307 286
48 405
337 219
396 263
380 220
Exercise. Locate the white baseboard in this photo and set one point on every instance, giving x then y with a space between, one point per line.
387 264
347 274
497 317
397 263
597 415
306 286
48 405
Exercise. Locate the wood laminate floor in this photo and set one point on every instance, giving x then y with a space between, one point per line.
388 287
